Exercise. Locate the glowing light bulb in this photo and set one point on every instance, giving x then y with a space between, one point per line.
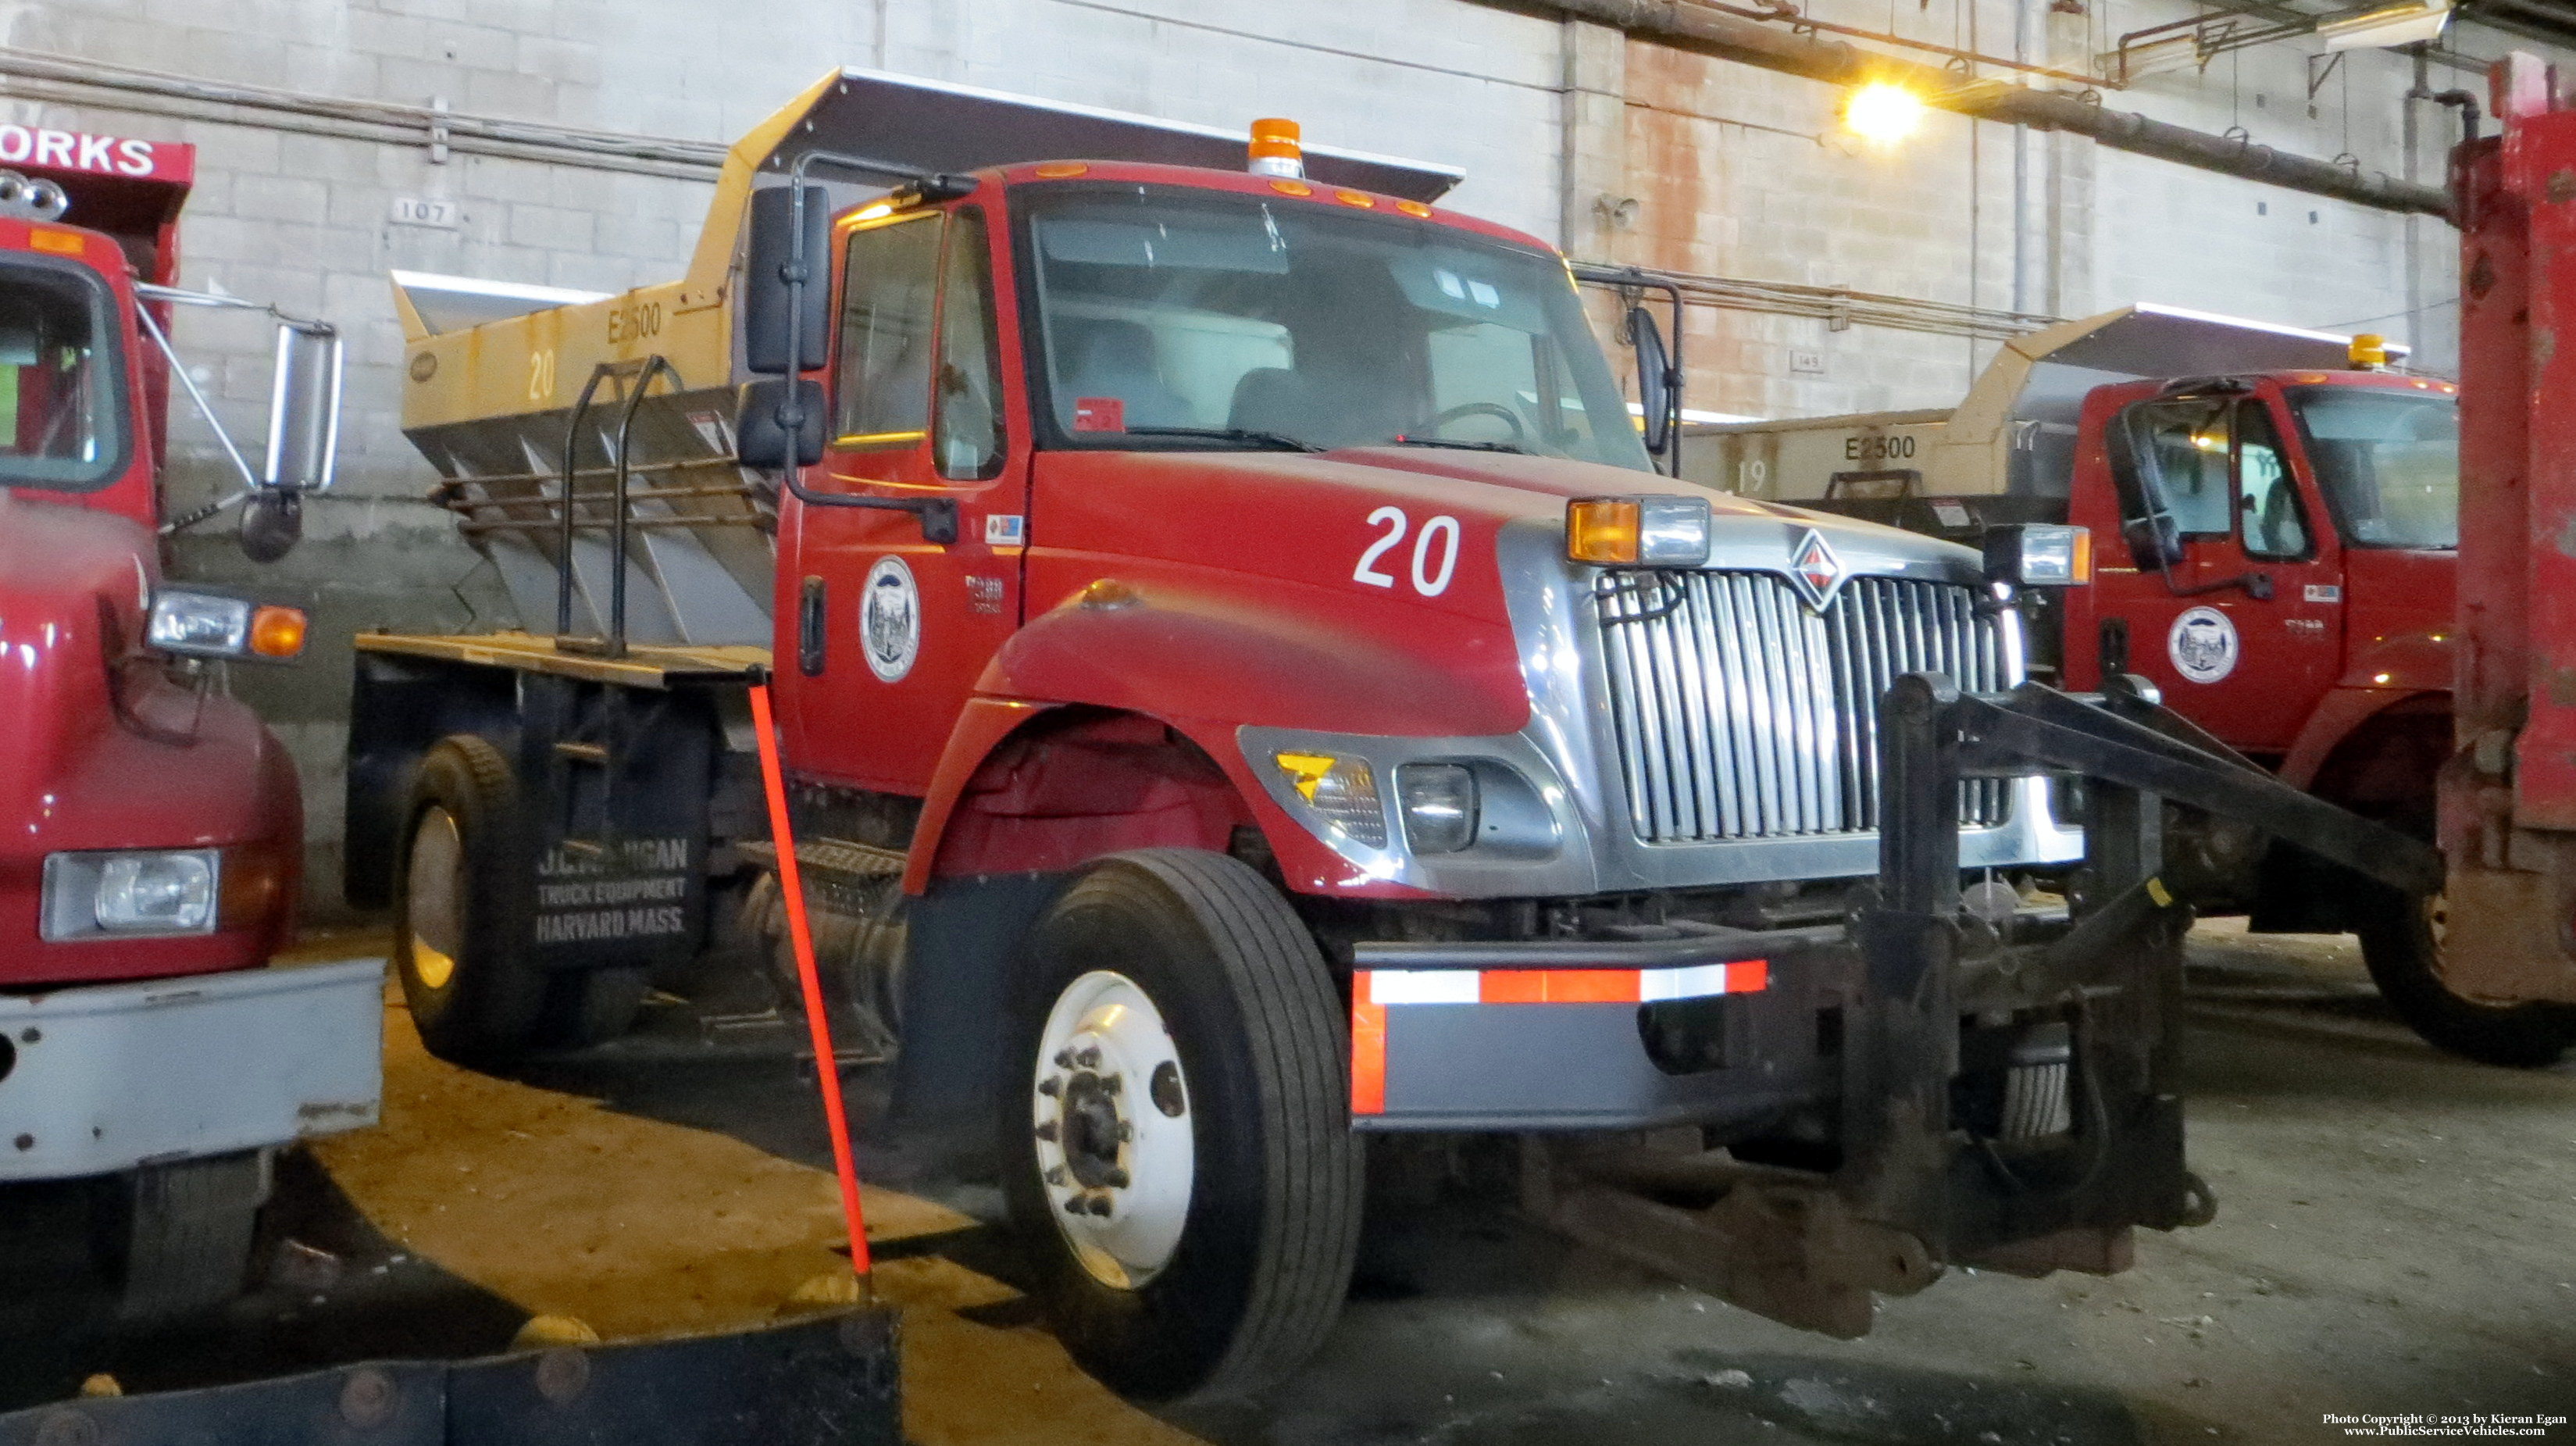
1882 112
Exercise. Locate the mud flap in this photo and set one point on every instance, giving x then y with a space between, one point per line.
824 1379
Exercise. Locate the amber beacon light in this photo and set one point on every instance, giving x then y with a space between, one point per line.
1274 149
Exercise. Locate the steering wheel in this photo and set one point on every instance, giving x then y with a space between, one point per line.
1464 410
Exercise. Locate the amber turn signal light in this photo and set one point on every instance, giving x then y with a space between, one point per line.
277 632
1637 531
1601 529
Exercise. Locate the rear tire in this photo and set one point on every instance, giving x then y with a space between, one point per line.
2401 942
177 1236
1226 1248
461 893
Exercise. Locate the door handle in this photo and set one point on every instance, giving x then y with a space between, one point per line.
813 621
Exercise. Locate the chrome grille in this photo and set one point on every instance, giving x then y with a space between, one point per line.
1742 714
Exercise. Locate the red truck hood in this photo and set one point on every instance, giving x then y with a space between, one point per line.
102 755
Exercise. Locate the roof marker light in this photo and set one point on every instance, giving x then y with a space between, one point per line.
1360 199
1061 170
1414 208
1274 150
1292 188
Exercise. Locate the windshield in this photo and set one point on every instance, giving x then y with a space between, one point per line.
2388 461
61 378
1243 321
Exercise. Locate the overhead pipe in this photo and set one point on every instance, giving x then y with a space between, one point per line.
1701 30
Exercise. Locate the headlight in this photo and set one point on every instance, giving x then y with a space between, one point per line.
2039 554
130 895
1439 804
1341 791
1637 531
205 626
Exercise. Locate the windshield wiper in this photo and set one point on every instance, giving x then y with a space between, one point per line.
1251 435
1460 445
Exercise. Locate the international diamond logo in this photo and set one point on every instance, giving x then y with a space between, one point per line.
1816 571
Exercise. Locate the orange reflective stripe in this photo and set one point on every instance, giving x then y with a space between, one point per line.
1748 976
1557 986
1368 1050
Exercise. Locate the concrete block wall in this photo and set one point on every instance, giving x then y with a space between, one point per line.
1734 171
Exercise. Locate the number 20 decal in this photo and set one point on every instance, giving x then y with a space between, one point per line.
1425 581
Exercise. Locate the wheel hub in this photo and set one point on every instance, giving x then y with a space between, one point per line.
433 897
1110 1115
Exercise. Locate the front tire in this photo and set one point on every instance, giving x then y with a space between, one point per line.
1175 1134
177 1236
2401 942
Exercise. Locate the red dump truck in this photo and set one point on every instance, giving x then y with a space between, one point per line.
1243 689
155 830
2274 514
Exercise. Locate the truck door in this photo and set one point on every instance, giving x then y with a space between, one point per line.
882 633
2244 634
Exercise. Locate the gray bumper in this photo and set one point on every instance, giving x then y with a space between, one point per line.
1708 1030
105 1077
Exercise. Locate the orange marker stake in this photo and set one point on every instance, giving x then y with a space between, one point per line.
801 936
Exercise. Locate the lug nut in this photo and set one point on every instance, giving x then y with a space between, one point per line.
1046 1131
1110 1082
1051 1086
1055 1175
1116 1179
1064 1059
1126 1132
1097 1202
1088 1057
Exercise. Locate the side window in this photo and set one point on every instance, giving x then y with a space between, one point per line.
2267 496
2187 443
967 434
887 287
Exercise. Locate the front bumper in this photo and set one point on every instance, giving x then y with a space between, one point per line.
105 1077
1707 1029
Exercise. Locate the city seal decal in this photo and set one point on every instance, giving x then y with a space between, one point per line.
890 620
2202 644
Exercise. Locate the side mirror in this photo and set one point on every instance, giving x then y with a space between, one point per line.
2147 524
304 408
2155 540
778 422
272 523
774 289
1655 379
303 438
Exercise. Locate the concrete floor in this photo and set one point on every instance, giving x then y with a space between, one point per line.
2394 1236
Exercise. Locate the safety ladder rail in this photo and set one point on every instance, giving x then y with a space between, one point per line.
639 373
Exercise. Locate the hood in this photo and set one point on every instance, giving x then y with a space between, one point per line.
1740 527
104 751
74 586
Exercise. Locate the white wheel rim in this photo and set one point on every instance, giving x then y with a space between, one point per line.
430 897
1110 1108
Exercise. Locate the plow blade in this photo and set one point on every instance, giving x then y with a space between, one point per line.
822 1379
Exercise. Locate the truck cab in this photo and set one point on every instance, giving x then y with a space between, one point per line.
2274 519
155 828
2304 582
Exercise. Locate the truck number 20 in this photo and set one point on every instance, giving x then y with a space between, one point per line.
1425 581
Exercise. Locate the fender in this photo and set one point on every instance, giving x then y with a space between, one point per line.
1199 664
2381 675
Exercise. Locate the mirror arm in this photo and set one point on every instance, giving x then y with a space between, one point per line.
250 483
1628 281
